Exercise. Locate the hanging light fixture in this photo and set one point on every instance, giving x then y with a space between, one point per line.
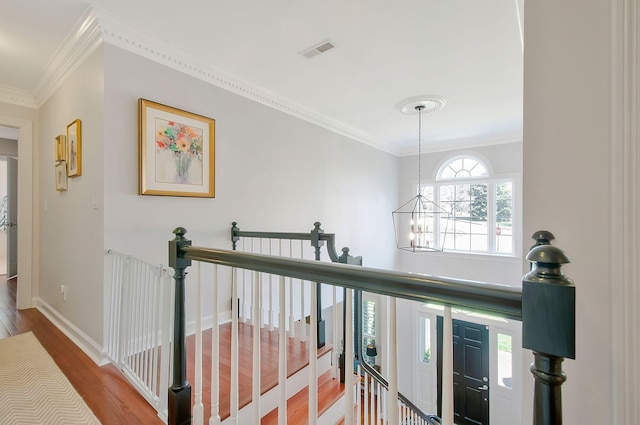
420 224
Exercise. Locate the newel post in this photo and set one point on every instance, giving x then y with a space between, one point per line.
317 243
548 328
180 390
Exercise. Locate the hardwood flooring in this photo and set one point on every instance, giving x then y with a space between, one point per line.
115 402
106 392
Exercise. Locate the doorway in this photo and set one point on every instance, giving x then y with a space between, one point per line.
470 372
26 212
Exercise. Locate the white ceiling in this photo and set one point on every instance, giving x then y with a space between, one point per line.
468 52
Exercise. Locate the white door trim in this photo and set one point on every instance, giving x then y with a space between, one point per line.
625 207
26 223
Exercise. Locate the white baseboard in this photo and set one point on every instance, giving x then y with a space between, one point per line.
79 338
207 322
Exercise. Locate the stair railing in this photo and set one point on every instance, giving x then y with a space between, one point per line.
317 338
545 305
317 238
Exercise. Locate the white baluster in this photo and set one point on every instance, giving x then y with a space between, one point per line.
146 327
348 360
282 357
372 394
241 302
215 352
383 402
336 339
155 326
257 308
447 368
292 318
313 356
303 319
233 403
378 401
165 357
392 400
365 384
361 374
138 321
271 319
198 407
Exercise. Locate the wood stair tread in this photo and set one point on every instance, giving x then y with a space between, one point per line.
329 392
297 359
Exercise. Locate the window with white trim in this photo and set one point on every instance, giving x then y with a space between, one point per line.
369 324
479 208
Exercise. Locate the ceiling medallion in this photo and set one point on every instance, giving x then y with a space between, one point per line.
429 102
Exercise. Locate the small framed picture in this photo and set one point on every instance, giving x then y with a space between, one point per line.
61 175
74 149
61 148
176 151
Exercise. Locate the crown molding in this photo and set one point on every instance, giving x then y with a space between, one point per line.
83 39
18 97
470 143
116 33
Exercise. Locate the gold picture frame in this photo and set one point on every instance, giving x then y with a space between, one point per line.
74 149
176 151
61 147
61 175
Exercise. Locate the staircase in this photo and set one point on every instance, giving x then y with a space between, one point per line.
297 374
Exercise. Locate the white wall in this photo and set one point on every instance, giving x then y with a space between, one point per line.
569 172
71 247
273 172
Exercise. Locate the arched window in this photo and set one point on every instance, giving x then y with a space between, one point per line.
479 207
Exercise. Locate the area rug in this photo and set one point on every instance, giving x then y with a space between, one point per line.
33 390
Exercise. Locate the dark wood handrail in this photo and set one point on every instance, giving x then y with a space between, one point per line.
500 300
317 232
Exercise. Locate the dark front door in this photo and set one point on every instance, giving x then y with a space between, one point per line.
470 372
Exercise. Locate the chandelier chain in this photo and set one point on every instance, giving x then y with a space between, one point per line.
419 108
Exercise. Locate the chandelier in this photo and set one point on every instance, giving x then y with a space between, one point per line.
420 224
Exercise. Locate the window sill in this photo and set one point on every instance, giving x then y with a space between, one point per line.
482 256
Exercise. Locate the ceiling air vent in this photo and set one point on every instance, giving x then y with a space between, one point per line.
320 48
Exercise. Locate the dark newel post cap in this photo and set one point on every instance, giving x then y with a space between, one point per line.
547 263
542 237
234 234
176 256
315 235
548 304
345 256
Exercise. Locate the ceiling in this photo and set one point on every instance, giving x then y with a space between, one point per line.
468 52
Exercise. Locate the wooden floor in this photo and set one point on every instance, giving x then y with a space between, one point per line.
114 401
106 392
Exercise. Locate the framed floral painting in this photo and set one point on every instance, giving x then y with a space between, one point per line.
176 151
